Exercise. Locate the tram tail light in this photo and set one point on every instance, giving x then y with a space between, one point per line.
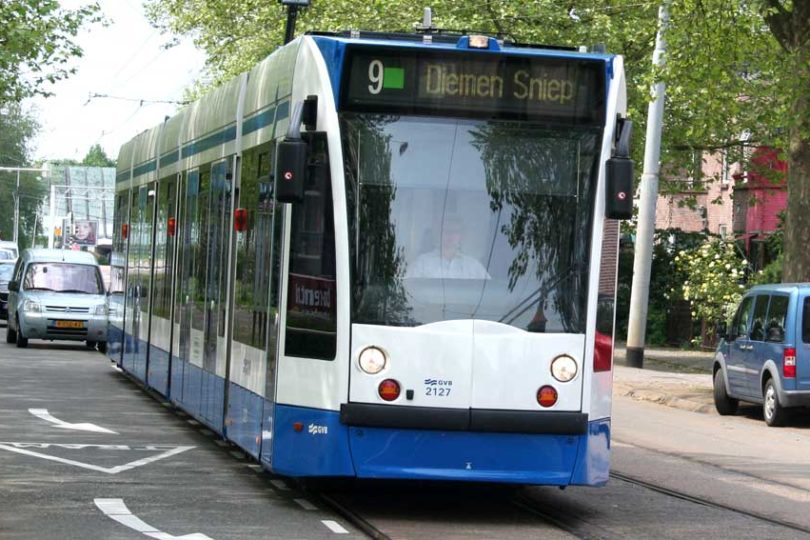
171 227
389 389
124 230
298 427
789 363
546 396
240 219
602 352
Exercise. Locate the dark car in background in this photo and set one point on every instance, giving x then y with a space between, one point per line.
6 269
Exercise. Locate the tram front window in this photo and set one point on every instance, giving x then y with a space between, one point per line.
469 219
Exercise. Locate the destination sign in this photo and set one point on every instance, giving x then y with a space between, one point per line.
474 84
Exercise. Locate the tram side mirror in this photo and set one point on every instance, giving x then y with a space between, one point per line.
619 204
619 171
14 286
291 170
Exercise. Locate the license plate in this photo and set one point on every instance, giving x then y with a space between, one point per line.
69 324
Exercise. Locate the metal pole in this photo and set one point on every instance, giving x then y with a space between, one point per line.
642 262
34 234
17 209
292 14
51 223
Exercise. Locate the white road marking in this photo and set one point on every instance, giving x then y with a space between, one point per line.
280 485
22 448
618 444
334 526
193 422
115 509
45 415
255 467
305 504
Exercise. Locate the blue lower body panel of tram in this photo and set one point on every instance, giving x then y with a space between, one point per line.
326 447
158 372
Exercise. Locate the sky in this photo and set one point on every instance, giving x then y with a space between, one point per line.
123 60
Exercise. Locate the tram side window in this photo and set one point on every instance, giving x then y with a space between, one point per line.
163 247
117 264
253 250
311 310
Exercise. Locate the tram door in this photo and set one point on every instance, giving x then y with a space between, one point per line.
137 298
188 190
215 307
200 299
115 298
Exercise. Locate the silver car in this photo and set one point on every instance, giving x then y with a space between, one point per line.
56 294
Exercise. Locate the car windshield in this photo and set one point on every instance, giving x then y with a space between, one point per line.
63 277
459 219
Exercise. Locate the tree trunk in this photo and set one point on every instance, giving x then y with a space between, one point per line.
797 225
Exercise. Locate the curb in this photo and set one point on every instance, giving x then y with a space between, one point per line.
668 400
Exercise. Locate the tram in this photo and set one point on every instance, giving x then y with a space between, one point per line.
385 256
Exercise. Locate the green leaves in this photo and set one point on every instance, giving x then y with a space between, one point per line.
36 45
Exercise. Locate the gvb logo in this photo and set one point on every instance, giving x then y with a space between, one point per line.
315 429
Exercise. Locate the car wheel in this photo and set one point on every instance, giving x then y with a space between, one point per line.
725 405
22 342
90 344
11 335
772 410
102 347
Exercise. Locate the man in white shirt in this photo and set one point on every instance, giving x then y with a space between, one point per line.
448 262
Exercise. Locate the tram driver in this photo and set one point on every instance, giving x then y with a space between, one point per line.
448 261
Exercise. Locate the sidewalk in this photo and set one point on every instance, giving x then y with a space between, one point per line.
672 377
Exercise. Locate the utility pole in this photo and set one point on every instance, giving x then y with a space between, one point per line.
292 15
17 210
52 211
642 262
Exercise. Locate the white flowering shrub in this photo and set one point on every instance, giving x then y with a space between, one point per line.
715 272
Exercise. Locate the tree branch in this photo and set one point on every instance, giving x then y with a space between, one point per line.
778 20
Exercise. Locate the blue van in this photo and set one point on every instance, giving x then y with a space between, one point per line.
764 356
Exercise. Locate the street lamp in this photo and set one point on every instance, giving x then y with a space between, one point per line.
292 13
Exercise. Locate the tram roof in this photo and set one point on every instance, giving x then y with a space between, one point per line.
453 42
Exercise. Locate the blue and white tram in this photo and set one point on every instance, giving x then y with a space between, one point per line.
385 256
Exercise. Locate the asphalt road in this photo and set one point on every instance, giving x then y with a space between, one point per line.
152 472
85 453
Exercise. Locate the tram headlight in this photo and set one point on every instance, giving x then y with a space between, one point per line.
372 360
564 368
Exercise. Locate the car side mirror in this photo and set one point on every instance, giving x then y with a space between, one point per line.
14 286
722 329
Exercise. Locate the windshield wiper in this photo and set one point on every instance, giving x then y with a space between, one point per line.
77 291
38 289
538 295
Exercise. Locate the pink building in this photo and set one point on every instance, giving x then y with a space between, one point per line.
745 203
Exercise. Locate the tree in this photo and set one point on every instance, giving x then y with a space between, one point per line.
714 274
37 45
732 67
97 157
17 128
